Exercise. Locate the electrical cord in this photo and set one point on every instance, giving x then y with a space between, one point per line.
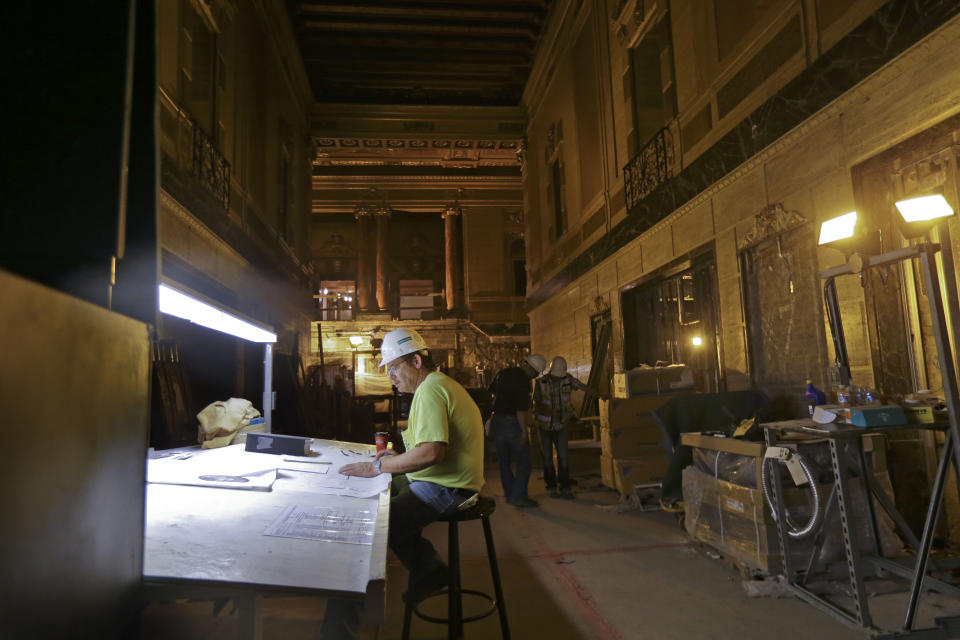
813 524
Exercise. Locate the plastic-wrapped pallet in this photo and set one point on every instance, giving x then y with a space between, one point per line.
736 521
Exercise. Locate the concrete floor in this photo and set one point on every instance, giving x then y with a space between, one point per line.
571 570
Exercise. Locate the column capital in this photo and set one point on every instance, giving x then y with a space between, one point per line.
451 210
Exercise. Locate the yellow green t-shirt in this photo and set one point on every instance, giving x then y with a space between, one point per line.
443 411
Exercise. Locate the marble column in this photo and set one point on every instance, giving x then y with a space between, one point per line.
453 258
383 256
365 259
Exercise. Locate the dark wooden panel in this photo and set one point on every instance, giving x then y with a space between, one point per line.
73 387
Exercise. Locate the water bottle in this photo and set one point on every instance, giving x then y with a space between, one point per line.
843 395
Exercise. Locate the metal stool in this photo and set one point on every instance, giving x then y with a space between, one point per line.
455 619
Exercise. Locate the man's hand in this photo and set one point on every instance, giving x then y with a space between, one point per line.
362 469
522 420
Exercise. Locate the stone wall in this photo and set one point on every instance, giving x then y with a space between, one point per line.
807 170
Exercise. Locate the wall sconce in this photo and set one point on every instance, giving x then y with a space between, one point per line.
696 341
356 340
920 214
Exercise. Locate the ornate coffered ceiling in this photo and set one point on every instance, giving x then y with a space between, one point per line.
418 52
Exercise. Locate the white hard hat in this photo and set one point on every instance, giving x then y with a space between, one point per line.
537 361
558 368
399 343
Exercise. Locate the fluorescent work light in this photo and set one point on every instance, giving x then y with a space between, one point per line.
175 303
839 228
924 208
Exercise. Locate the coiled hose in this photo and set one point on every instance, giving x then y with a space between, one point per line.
792 530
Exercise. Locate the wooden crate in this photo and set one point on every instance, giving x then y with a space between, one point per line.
728 445
639 470
583 456
736 521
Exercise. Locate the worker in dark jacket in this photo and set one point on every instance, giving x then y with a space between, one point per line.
508 426
554 413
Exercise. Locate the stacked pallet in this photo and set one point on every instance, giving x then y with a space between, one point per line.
632 445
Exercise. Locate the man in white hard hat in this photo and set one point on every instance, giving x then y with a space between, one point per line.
442 469
508 426
554 414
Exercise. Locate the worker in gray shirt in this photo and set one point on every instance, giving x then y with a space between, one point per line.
554 413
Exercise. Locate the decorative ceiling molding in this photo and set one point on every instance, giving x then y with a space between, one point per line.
363 181
388 143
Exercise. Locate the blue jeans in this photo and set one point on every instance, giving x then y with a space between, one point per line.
513 455
560 478
413 505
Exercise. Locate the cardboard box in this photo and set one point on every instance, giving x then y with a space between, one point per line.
736 521
918 413
606 472
651 380
628 443
639 470
583 456
876 416
872 415
277 444
620 413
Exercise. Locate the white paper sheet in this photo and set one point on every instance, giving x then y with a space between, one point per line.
340 454
354 526
305 467
226 468
187 465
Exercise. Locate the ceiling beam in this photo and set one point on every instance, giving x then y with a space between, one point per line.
365 42
417 28
478 13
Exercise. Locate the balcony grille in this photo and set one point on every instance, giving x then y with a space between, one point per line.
210 168
649 169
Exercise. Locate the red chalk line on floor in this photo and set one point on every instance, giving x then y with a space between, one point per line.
592 552
602 627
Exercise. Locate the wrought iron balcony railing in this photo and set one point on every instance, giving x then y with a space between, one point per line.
195 152
210 168
649 169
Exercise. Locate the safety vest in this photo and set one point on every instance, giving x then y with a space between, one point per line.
551 402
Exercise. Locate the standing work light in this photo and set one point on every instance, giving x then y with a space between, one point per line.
920 214
839 232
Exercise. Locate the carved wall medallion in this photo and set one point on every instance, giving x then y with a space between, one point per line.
770 222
